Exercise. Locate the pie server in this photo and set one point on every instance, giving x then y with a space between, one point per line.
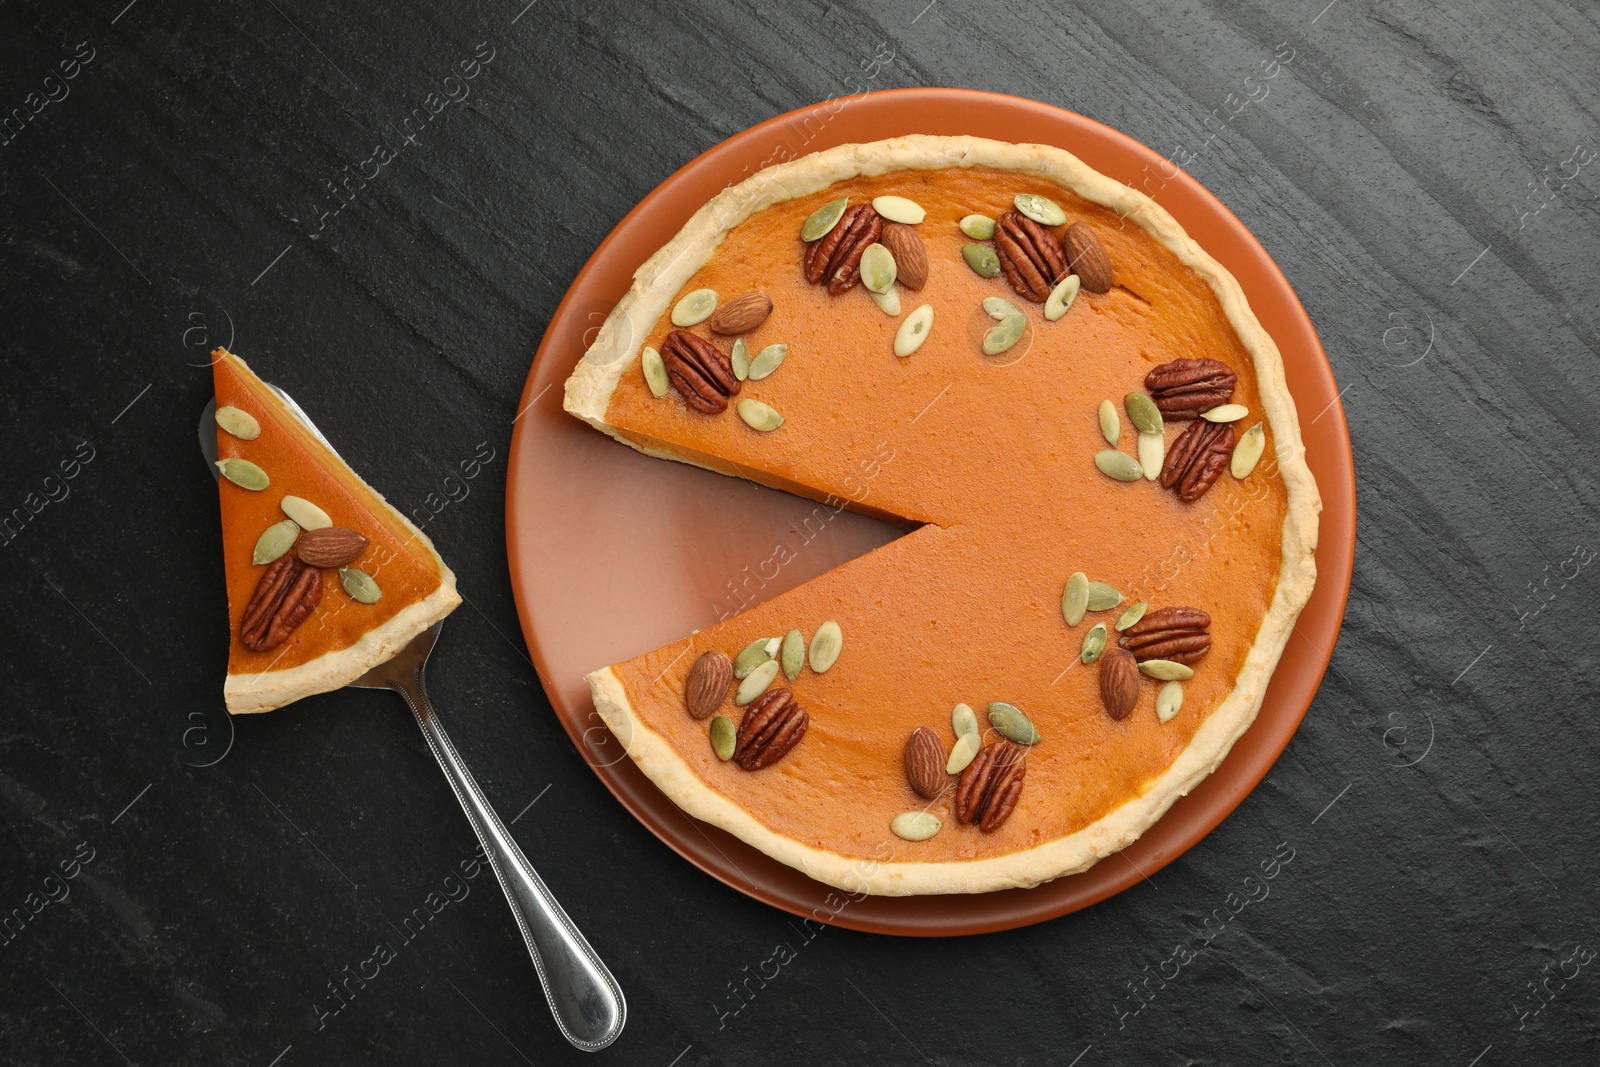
587 1002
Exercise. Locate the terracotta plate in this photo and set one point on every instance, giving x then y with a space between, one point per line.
613 553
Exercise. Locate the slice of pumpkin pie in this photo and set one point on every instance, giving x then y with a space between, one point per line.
325 579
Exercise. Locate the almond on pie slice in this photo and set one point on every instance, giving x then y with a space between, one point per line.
325 578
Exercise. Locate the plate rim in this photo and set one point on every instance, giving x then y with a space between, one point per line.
1335 550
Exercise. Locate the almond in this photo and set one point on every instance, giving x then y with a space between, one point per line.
1119 682
910 254
741 314
330 546
707 686
925 760
1086 257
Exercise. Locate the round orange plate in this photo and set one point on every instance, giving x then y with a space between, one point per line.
613 553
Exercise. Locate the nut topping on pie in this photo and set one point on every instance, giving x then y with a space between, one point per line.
771 726
988 790
1186 387
1171 633
1086 257
708 683
287 592
910 255
741 314
1030 256
925 760
700 371
1119 683
330 546
836 258
1198 458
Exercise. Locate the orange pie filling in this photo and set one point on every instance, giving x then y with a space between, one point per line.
989 462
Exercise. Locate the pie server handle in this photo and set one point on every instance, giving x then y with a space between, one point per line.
587 1002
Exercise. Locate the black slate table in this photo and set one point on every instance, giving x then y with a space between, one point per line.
176 888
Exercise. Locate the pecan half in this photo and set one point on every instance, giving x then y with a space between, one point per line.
1184 388
836 256
285 595
699 370
1030 256
1197 458
988 790
771 726
1169 633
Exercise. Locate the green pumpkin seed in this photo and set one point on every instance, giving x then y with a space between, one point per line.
913 331
1169 700
304 512
888 302
1247 453
759 416
915 825
978 227
825 646
965 748
1166 670
361 586
740 359
724 738
982 259
753 656
1003 337
823 219
1094 643
1110 424
1103 597
963 721
766 361
1152 454
794 654
241 424
1225 413
274 541
899 209
1134 613
1144 413
1000 309
1040 209
878 269
755 683
1059 302
655 372
243 473
1075 598
1012 724
1118 465
694 308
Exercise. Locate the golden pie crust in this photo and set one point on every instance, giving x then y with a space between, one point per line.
1017 437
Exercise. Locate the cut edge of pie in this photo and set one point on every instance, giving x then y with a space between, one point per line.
259 691
616 347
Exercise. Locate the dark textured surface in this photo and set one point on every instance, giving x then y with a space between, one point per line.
1421 171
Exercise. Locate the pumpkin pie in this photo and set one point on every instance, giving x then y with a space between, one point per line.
325 579
1069 407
